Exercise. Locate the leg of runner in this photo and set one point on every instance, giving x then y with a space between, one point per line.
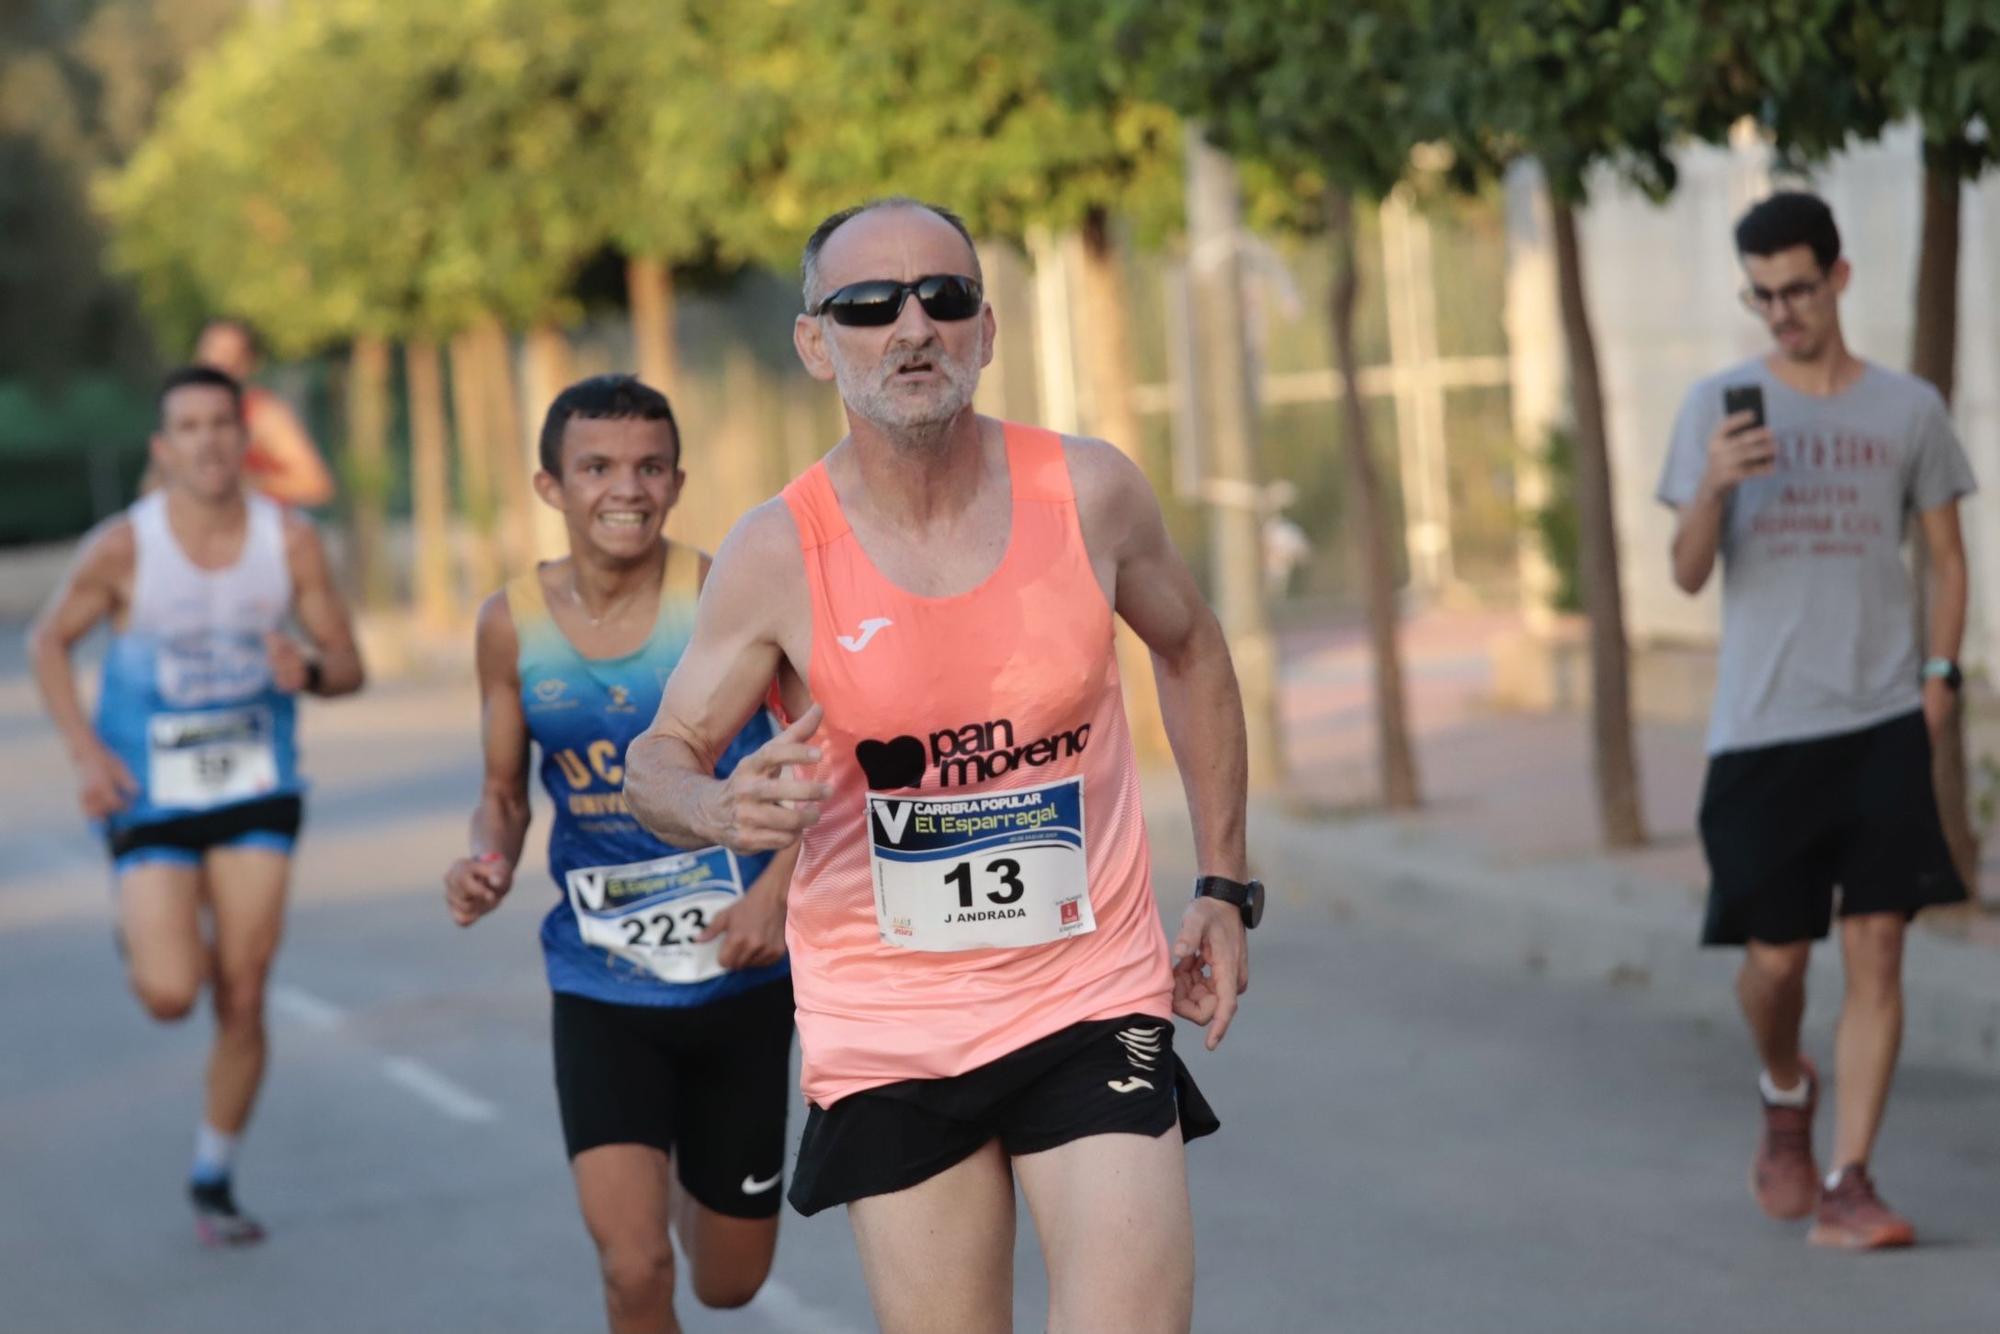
1870 1032
159 921
1117 1233
246 887
1772 990
940 1255
728 1258
626 1191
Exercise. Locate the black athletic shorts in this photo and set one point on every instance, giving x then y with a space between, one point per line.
706 1084
269 822
1106 1077
1784 825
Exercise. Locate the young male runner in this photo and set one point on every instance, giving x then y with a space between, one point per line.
1820 744
673 1004
985 993
191 766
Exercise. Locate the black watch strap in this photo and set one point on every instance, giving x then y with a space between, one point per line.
314 676
1248 896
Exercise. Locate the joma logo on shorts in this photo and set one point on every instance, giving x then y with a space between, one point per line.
962 756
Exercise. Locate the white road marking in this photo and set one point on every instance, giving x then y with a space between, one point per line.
305 1008
438 1091
445 1096
788 1311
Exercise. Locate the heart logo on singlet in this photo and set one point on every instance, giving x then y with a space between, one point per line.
891 764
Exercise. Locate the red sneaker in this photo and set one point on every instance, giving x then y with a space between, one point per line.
1852 1216
1783 1176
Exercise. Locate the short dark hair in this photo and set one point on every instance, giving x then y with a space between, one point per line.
809 261
1789 218
604 398
183 376
251 338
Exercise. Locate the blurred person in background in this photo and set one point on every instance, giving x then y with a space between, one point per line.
282 461
1803 470
190 768
673 998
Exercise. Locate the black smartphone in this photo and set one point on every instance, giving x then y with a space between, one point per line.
1744 398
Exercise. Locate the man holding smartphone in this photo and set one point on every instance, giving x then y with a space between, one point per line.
1802 470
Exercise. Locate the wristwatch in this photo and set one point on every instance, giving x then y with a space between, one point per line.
1248 898
1945 670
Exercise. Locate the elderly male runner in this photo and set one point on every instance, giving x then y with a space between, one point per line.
672 1013
984 990
192 764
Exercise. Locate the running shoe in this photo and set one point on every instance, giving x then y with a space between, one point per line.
217 1220
1853 1217
1783 1176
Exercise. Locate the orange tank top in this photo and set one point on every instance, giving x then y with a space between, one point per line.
980 877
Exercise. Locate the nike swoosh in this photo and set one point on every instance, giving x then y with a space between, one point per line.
855 643
752 1186
1132 1085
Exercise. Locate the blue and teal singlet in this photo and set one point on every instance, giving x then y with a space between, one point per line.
641 900
187 701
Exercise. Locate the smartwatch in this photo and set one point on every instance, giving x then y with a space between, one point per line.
1248 898
1945 670
314 677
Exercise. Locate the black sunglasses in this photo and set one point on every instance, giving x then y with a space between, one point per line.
945 297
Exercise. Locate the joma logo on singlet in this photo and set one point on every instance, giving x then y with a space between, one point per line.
974 753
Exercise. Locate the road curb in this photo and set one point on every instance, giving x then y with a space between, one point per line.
1585 919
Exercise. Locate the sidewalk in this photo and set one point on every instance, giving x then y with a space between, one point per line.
1503 862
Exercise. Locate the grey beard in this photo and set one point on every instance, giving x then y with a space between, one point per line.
873 402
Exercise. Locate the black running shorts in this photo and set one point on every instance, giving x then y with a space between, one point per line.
707 1085
1785 825
268 822
1106 1077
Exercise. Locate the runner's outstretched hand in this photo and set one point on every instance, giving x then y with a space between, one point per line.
474 886
761 807
1211 966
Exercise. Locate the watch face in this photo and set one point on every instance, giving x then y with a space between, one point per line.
1253 911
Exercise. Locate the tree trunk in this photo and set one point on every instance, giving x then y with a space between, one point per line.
1934 356
1620 816
368 468
649 291
509 446
429 482
1230 484
1366 514
551 368
475 464
1106 344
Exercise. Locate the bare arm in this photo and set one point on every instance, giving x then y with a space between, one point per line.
93 591
1155 594
297 474
476 883
1735 453
1949 584
322 611
723 677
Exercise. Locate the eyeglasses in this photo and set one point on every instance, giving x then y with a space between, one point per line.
1763 299
945 297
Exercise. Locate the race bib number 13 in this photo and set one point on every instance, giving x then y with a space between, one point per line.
198 760
999 870
649 913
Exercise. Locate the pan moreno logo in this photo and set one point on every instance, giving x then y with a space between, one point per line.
963 756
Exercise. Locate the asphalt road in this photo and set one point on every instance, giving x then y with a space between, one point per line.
1411 1143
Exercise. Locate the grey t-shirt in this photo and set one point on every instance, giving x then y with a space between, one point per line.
1818 628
